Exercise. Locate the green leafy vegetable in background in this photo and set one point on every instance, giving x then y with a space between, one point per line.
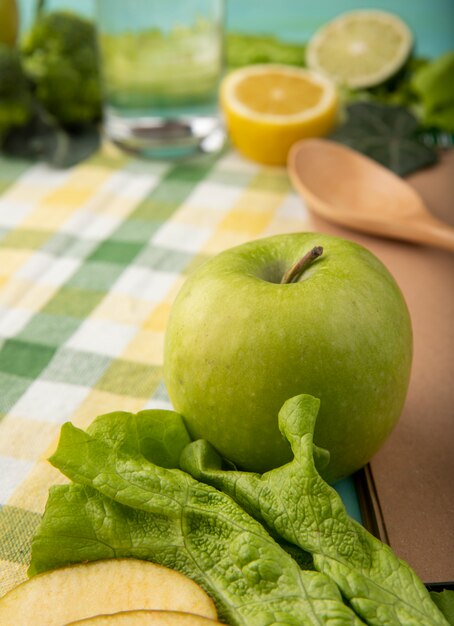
387 134
434 84
244 49
60 58
294 502
15 95
396 91
128 506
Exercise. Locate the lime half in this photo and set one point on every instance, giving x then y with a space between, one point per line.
360 49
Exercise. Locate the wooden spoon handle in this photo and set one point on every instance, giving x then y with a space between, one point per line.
433 232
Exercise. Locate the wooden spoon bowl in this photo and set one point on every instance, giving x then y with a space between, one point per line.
343 186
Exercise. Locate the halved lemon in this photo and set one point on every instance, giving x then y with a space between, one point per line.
268 108
361 48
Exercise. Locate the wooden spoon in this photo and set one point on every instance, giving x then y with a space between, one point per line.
343 186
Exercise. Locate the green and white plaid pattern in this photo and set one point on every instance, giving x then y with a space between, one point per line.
91 259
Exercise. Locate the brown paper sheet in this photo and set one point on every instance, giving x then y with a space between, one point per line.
411 479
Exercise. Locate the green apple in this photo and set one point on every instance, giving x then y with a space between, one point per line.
239 342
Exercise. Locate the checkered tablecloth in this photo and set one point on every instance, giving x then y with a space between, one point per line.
91 259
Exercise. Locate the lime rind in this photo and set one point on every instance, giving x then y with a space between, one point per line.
360 49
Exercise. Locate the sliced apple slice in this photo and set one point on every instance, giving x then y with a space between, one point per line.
73 593
146 618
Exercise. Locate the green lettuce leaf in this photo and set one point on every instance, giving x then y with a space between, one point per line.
445 602
125 505
159 436
294 502
434 85
248 49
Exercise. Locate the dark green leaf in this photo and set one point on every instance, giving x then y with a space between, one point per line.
387 134
445 602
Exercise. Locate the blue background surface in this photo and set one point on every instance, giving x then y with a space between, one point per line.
432 21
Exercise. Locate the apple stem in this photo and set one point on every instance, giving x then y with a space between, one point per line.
294 272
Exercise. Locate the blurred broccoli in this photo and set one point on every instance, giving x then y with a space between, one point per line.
15 96
60 57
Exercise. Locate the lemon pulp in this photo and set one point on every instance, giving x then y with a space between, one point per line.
269 107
